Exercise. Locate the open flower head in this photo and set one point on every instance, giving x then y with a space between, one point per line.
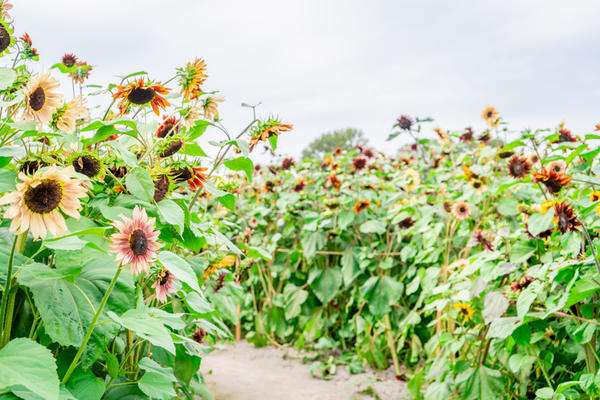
565 218
461 210
141 93
134 242
554 181
41 98
518 167
361 205
38 201
464 310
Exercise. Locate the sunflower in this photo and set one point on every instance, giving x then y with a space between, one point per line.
81 73
406 223
135 241
169 127
162 183
359 163
361 205
565 219
29 52
191 115
65 118
558 166
550 336
211 107
5 37
163 285
41 98
546 205
30 165
482 238
404 123
198 335
225 262
490 115
413 178
169 146
198 178
287 163
335 181
534 160
464 310
338 151
191 77
140 93
68 60
519 167
4 7
553 181
467 136
461 210
564 135
521 284
300 184
88 164
267 129
38 200
595 195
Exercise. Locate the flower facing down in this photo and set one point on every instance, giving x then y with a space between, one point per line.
565 219
135 241
41 98
211 107
225 262
65 118
141 93
265 130
191 77
361 206
163 285
518 167
37 202
464 310
461 210
554 181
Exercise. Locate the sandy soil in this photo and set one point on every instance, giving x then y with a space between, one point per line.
244 372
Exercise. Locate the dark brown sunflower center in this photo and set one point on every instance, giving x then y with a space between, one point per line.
164 278
4 38
138 242
141 96
87 165
489 114
517 169
462 209
37 99
43 198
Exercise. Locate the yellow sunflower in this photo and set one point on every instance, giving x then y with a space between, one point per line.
191 78
489 113
41 98
413 180
464 310
38 200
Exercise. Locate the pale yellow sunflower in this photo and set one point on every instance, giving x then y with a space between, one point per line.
211 105
65 118
38 200
41 98
413 180
192 116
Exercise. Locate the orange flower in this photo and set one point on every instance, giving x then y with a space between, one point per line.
269 129
361 205
191 77
554 181
335 181
141 93
198 177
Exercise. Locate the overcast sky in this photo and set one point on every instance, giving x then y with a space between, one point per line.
325 64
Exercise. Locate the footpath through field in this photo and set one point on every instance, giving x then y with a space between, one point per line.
244 372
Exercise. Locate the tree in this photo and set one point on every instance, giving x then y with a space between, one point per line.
347 139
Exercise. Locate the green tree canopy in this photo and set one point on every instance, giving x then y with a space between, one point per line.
347 139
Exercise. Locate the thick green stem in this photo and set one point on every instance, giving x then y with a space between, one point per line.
391 344
91 328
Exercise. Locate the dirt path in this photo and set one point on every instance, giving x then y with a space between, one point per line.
244 372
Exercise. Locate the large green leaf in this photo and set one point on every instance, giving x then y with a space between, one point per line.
241 164
146 326
139 183
325 283
483 383
180 268
65 305
381 292
158 381
29 370
293 297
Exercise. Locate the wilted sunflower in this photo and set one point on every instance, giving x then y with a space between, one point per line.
162 182
134 241
564 135
300 184
169 146
361 205
65 118
191 77
5 37
406 223
553 181
467 136
267 129
41 98
550 336
461 210
82 72
169 126
141 93
38 200
595 195
163 285
211 107
565 219
359 163
68 60
519 167
88 164
483 238
464 310
29 165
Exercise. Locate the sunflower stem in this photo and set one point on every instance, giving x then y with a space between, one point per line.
6 291
91 327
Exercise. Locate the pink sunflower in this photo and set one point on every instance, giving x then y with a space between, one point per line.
135 241
164 285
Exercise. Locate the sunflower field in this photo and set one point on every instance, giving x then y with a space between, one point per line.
131 245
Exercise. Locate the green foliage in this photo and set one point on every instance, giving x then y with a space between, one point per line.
347 139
